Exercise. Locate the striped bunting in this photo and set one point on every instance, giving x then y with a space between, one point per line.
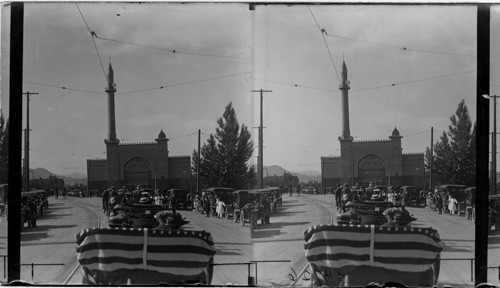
176 253
343 247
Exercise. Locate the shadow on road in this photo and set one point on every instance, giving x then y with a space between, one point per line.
52 216
33 236
492 240
285 213
449 247
265 233
50 243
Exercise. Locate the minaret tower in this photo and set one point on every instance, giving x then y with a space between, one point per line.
111 142
346 164
344 87
111 89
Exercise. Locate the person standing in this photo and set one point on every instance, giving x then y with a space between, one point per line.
298 189
453 205
105 200
56 192
338 197
220 207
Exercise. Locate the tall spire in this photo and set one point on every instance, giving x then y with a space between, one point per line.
344 87
111 89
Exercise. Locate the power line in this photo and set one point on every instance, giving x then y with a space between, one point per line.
184 83
368 88
183 136
92 34
399 47
170 50
326 44
63 87
412 81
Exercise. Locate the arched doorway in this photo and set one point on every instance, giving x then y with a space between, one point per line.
137 171
371 168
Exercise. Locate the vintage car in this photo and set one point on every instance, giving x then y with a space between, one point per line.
121 253
371 213
274 196
134 216
241 198
223 193
179 199
410 196
458 191
351 256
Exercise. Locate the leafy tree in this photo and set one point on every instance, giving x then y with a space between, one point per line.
454 159
4 149
224 157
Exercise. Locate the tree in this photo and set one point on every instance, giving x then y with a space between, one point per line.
454 160
224 158
4 149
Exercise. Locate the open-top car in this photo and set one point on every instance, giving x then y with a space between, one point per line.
371 213
223 193
411 196
179 199
134 216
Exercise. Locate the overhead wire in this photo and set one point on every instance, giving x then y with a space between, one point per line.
399 47
368 88
92 34
326 44
171 50
63 87
184 83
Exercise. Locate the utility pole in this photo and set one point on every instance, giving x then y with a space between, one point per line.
432 159
261 140
198 164
27 141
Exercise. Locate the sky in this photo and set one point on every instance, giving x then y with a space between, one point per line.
408 67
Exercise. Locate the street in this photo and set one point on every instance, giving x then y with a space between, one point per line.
53 242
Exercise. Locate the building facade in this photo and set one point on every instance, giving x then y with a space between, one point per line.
379 161
147 164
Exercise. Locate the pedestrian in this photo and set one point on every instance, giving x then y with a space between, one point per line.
338 196
298 189
206 206
64 192
453 205
290 190
438 202
220 207
105 199
56 191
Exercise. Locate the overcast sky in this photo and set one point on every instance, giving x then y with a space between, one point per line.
223 51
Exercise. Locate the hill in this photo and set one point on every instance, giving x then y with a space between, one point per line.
304 176
70 179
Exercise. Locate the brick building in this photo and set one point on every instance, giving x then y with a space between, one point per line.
147 164
378 161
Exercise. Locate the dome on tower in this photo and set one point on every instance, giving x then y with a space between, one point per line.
162 135
395 132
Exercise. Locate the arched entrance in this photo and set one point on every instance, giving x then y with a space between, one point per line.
371 168
137 171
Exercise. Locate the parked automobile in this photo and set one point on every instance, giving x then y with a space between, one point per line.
179 199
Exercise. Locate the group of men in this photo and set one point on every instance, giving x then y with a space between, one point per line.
111 196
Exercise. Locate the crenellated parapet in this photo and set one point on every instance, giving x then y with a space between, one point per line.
137 143
372 141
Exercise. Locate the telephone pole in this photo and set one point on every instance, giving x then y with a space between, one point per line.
261 140
27 142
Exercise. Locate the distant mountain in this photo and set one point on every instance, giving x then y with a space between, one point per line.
304 176
70 179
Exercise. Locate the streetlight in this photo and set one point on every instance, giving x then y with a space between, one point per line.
494 142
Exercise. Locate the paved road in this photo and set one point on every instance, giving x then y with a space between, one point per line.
53 241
